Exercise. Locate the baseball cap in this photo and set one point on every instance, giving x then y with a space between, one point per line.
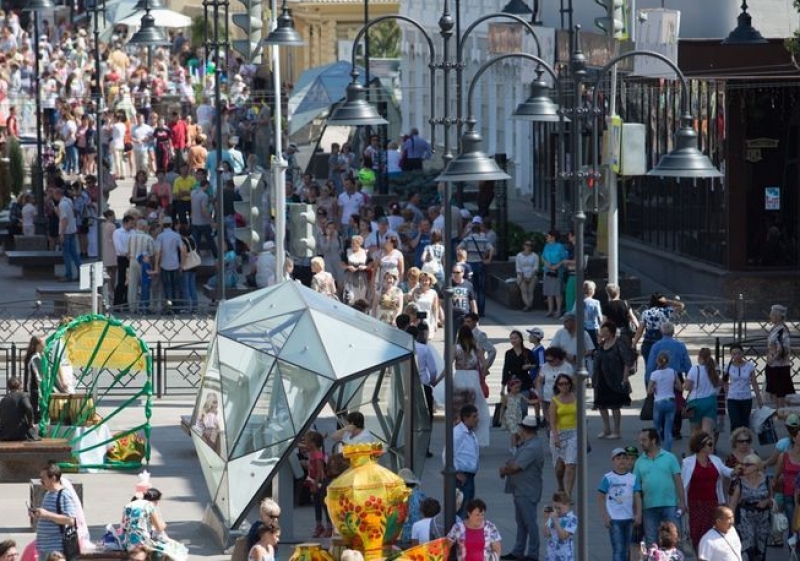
477 220
537 332
793 420
618 452
632 451
166 220
568 315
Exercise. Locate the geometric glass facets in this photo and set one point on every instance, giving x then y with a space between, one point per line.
281 356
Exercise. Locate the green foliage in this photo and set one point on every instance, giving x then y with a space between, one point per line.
384 40
792 44
5 184
517 236
421 181
16 163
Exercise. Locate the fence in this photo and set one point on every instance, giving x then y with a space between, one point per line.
177 344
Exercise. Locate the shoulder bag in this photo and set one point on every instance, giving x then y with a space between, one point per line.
69 535
192 258
689 409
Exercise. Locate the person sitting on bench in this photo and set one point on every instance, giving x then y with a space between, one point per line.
16 414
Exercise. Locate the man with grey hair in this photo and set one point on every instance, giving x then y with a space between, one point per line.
679 361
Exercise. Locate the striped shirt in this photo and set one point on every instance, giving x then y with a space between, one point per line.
139 243
48 533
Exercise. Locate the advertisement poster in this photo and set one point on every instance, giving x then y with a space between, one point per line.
772 198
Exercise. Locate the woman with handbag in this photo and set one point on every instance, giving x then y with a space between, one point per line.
702 474
190 260
612 362
739 379
664 382
751 500
779 357
702 383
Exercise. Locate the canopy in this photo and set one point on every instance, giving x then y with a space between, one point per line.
316 90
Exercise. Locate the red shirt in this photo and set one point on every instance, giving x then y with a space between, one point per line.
703 484
179 133
475 543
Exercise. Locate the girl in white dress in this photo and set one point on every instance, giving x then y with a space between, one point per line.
470 367
268 537
426 299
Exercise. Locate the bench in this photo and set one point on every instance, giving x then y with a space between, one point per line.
22 461
35 263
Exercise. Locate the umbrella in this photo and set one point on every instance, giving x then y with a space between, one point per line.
163 17
316 90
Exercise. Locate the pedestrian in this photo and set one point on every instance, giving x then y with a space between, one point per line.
57 509
463 295
564 431
427 528
414 503
68 236
679 361
721 543
779 357
140 242
555 363
466 455
468 375
553 257
168 265
619 312
702 383
269 512
702 474
751 500
659 474
567 339
663 384
527 267
620 500
523 475
515 407
317 481
534 366
661 309
560 528
613 363
473 535
8 550
666 549
479 255
739 379
17 414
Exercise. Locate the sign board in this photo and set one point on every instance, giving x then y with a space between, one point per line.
87 270
657 30
772 198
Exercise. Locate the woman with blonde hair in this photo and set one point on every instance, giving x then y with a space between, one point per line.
322 281
741 447
388 300
427 301
751 500
355 271
702 383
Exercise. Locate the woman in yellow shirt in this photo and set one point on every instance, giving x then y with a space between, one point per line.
564 431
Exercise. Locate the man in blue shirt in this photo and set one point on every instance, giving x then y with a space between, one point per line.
465 454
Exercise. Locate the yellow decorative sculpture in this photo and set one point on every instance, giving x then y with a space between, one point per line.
367 503
310 552
435 550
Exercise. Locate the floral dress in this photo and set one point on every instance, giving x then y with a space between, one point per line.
558 549
753 523
137 530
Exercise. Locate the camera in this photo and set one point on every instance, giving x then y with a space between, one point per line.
422 315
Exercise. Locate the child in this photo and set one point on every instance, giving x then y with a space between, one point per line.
461 259
512 410
268 537
664 382
620 500
560 527
146 281
317 481
535 337
427 528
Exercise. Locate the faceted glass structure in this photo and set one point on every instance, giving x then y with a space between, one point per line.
279 357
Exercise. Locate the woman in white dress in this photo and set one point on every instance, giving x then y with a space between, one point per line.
391 259
470 368
426 299
527 265
330 248
322 281
388 301
355 271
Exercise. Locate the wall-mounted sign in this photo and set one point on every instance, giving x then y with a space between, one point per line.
753 148
772 198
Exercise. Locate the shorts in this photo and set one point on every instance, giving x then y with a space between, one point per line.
568 451
704 408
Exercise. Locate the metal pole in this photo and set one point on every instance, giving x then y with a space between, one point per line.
367 77
218 170
38 169
446 24
581 497
279 165
611 180
98 144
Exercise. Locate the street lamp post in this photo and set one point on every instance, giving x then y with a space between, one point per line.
37 6
283 34
471 165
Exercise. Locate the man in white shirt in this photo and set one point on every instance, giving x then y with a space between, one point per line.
120 239
376 239
350 202
168 260
426 366
353 432
567 340
721 542
141 136
466 459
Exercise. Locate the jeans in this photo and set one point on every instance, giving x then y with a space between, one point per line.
200 232
621 534
739 412
171 282
69 250
468 489
525 512
663 417
479 284
653 517
189 282
72 165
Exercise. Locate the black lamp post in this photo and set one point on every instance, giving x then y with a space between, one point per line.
37 6
744 33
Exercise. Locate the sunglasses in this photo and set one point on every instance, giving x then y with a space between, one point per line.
744 441
564 384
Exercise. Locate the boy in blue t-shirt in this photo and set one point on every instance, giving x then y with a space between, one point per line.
620 500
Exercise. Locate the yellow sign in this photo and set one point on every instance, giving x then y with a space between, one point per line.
100 344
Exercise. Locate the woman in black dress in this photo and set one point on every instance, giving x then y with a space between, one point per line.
613 361
163 139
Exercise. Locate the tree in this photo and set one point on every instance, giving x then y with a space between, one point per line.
384 40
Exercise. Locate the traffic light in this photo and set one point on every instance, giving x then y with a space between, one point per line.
301 226
251 189
251 23
594 190
615 23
